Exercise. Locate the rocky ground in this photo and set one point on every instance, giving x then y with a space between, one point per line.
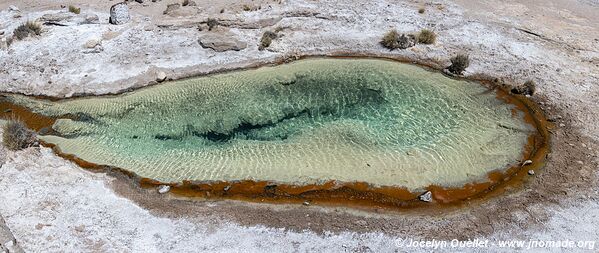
50 204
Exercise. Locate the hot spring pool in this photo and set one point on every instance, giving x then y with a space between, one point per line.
313 121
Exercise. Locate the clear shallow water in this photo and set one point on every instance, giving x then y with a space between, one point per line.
311 121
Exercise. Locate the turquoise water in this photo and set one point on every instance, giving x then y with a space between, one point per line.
307 122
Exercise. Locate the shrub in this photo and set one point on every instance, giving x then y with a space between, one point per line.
27 29
459 63
393 40
528 88
211 23
16 135
390 39
421 10
426 36
74 9
266 39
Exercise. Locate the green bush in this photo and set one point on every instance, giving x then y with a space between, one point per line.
16 135
74 9
27 29
426 36
459 63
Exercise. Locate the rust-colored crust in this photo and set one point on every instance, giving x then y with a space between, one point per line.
356 194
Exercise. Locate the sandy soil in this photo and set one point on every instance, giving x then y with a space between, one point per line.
52 205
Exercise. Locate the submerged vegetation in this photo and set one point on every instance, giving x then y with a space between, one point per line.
16 135
459 63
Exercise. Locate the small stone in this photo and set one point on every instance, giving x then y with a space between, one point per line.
92 19
221 42
306 203
531 172
80 228
227 188
527 162
13 8
562 125
160 76
1 32
584 145
406 41
92 43
7 110
580 162
119 14
170 8
426 197
163 189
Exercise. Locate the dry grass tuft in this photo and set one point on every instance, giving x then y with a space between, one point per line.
528 88
74 9
266 39
16 135
27 29
390 39
459 63
426 36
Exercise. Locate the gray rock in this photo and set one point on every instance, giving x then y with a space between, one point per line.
60 17
119 14
531 172
406 41
163 189
189 3
171 8
221 43
92 43
426 197
160 76
175 10
13 8
527 162
92 19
